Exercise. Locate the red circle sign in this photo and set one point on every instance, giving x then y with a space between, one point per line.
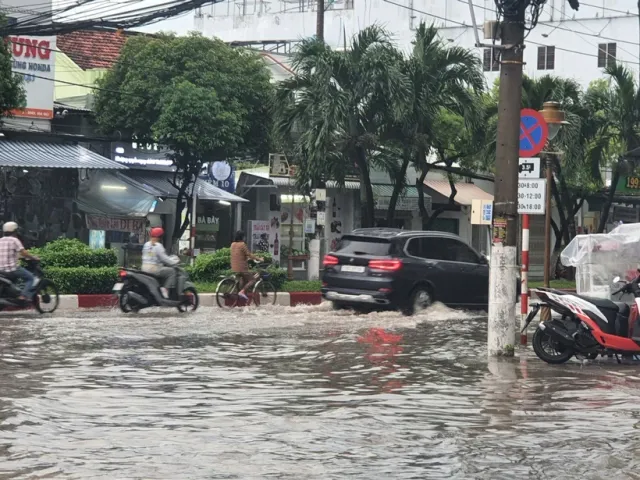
534 132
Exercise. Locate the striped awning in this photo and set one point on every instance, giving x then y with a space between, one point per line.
159 182
291 182
15 153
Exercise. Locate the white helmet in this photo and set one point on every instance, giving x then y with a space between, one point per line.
10 227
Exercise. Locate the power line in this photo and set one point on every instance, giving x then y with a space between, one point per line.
91 87
600 7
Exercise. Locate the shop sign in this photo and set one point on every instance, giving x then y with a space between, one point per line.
207 224
131 225
629 185
33 58
222 175
141 155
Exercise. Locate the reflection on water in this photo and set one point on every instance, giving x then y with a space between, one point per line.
303 394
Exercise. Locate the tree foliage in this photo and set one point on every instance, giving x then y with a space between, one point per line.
201 98
12 93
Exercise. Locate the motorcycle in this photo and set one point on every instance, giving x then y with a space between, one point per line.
46 297
588 326
137 290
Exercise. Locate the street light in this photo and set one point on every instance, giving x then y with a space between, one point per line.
555 119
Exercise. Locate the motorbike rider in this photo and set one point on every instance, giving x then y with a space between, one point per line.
11 250
156 261
240 255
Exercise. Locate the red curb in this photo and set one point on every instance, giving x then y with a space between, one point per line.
96 301
305 298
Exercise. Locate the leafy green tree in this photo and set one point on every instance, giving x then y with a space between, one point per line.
441 115
330 111
616 118
11 84
203 99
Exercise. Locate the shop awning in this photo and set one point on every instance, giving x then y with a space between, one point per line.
159 182
440 191
291 182
15 153
407 201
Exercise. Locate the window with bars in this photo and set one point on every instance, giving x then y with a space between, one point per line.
607 55
546 58
490 62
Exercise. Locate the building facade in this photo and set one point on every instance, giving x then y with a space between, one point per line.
564 43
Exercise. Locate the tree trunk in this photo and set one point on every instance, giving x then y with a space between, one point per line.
612 191
397 188
366 191
440 210
564 231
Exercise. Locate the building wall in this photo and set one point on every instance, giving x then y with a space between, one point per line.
68 71
576 35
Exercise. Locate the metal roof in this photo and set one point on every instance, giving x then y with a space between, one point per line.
465 192
159 183
15 153
386 190
291 182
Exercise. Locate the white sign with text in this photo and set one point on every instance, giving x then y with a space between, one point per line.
531 196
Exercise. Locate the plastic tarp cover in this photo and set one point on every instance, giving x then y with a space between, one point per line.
105 193
599 258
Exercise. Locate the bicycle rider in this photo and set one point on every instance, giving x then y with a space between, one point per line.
240 255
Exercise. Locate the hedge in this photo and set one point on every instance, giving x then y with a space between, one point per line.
69 253
209 266
83 280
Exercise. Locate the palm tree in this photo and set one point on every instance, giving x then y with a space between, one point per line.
331 110
617 112
445 81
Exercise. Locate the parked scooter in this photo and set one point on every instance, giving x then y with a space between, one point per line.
137 290
589 326
46 297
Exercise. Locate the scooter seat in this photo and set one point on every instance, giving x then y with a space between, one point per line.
602 302
148 274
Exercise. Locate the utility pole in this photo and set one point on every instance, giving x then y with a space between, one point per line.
503 269
320 20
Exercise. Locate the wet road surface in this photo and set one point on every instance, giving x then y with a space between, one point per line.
301 393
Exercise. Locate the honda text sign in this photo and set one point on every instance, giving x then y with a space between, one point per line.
33 58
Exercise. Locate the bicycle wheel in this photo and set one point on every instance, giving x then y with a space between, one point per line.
264 293
227 293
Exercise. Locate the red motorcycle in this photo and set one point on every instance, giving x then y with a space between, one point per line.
588 326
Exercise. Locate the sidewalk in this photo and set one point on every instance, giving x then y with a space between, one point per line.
78 302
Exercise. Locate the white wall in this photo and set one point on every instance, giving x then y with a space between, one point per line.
577 34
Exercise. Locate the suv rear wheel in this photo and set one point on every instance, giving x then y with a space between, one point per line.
421 299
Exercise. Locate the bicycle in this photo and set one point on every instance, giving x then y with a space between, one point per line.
263 292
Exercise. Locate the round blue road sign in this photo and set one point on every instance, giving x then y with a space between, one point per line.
534 132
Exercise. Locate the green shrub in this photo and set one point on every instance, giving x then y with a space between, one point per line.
209 266
73 253
302 286
83 280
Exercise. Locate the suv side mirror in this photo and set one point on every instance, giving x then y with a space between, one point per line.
484 260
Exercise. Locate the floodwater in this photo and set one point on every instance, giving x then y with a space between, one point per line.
301 393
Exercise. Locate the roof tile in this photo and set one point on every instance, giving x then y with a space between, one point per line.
93 48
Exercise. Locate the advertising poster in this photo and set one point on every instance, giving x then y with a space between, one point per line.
33 58
264 238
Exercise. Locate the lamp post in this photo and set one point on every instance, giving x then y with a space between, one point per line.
555 119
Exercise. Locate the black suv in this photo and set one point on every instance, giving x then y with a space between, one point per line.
405 270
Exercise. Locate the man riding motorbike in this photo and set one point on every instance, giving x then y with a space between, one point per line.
11 250
156 261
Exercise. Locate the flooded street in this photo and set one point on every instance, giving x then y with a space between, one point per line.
301 393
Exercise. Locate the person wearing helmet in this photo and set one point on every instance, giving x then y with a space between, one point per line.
11 250
156 261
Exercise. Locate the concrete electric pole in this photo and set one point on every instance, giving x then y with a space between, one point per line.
503 271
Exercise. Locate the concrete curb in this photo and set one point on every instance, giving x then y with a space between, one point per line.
106 301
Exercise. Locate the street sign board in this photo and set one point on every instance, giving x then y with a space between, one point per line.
529 168
534 132
531 196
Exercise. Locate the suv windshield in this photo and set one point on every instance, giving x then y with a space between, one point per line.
378 247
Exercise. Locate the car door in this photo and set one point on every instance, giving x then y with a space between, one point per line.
473 272
427 263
